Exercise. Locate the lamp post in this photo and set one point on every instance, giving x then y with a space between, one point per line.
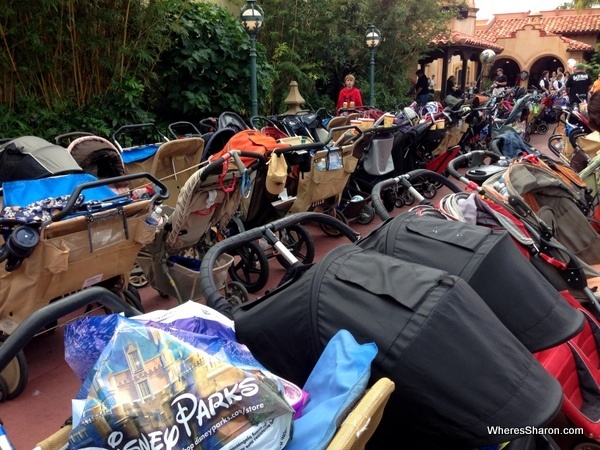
252 16
372 39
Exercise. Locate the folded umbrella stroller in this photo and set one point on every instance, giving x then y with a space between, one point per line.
433 333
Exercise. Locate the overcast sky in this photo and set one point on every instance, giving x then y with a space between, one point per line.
487 8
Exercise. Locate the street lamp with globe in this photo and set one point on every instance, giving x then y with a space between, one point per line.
372 39
252 17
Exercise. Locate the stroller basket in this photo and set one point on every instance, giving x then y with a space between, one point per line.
185 278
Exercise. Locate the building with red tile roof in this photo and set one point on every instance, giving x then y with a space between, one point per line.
535 41
526 43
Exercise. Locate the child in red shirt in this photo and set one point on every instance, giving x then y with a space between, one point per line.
349 94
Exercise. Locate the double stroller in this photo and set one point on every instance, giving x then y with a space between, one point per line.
433 330
62 230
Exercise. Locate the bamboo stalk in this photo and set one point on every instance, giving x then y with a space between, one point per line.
124 43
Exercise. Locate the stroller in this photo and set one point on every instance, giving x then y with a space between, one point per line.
62 234
98 157
347 292
556 200
573 363
206 204
172 162
407 147
273 190
325 180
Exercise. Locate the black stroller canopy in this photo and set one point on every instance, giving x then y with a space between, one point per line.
456 367
526 303
30 158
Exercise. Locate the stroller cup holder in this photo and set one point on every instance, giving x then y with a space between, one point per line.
19 245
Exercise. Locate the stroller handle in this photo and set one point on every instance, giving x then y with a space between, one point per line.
134 126
54 311
468 157
295 148
214 298
163 191
235 154
404 180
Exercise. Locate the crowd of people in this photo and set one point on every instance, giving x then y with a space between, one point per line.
578 86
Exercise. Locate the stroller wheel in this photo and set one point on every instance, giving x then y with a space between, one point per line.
14 375
399 203
137 277
250 267
429 190
297 240
332 231
526 137
408 198
236 293
133 298
3 390
366 215
542 128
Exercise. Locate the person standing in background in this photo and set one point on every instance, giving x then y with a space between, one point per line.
500 82
349 96
451 88
559 83
545 82
422 88
578 84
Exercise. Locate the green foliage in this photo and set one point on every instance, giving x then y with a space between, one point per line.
566 5
582 4
318 42
207 70
64 60
593 65
95 65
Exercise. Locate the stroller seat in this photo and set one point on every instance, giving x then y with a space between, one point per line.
576 365
580 385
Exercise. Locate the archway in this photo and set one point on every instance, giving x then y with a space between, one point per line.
549 63
510 67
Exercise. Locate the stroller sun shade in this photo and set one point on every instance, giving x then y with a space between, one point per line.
456 367
526 303
30 158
